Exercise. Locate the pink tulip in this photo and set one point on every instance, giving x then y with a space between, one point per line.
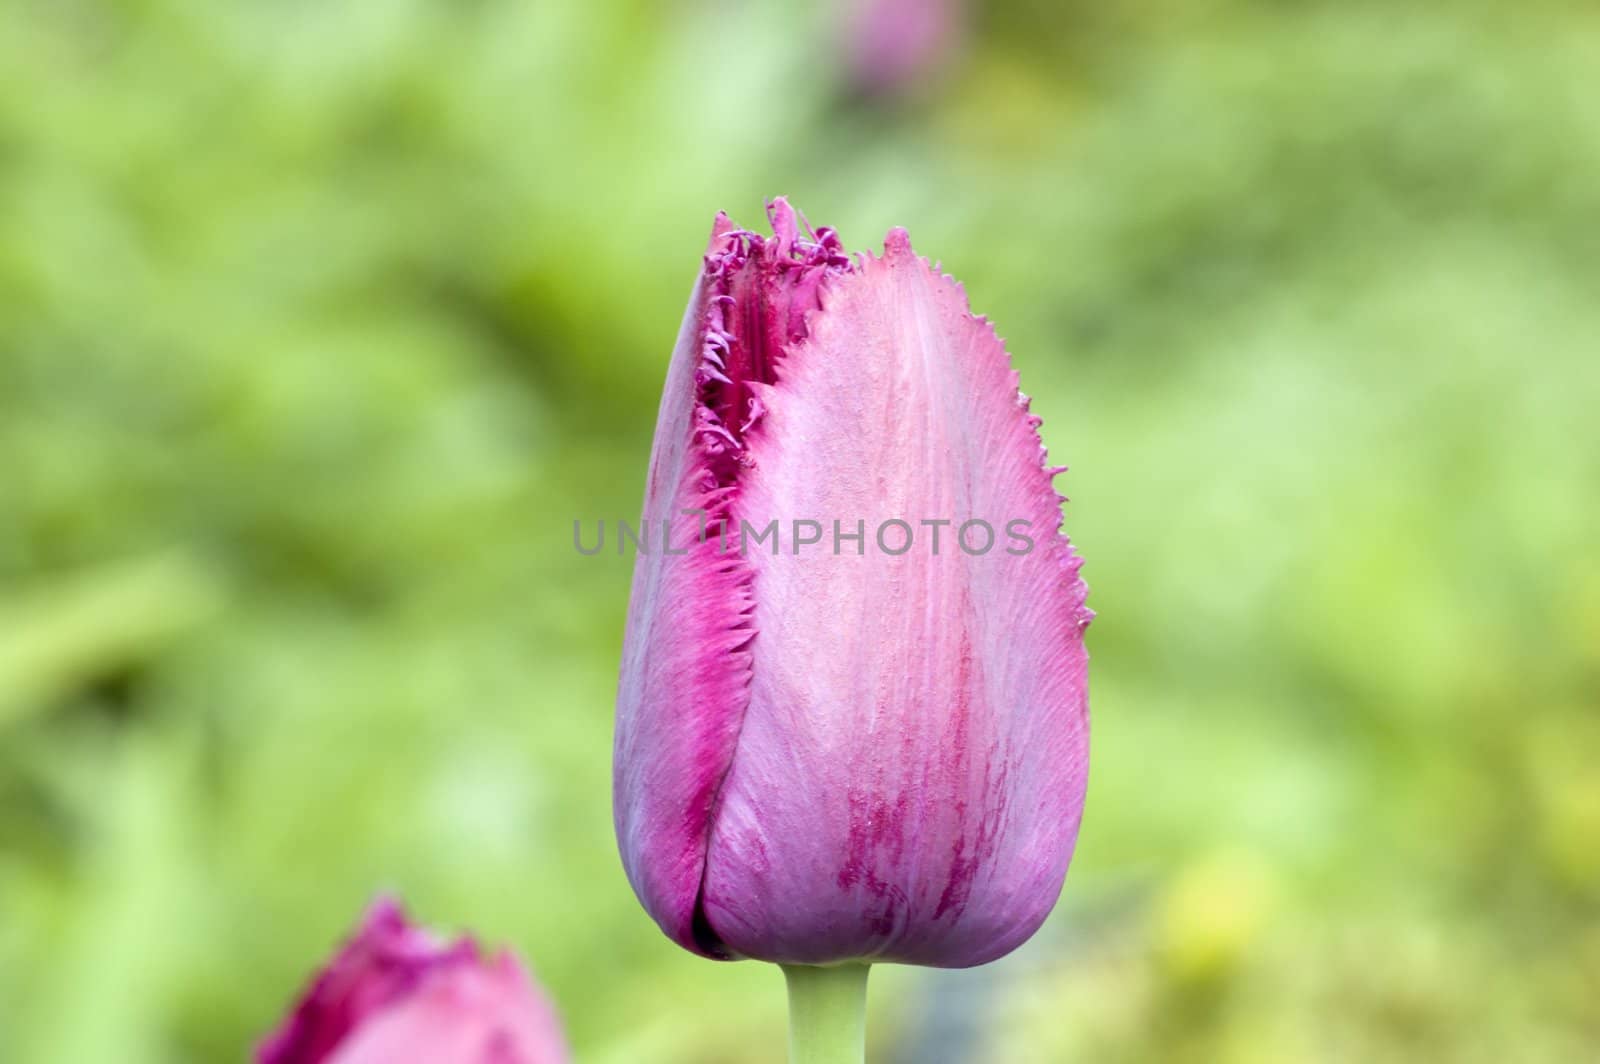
892 46
843 750
397 994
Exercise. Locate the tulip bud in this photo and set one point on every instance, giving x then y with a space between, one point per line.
398 994
872 743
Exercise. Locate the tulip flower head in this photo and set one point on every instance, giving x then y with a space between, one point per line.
864 735
398 994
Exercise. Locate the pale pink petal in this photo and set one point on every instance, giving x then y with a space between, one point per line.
488 1014
910 771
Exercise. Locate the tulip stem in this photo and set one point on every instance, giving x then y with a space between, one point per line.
827 1013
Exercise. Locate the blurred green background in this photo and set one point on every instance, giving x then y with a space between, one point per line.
321 323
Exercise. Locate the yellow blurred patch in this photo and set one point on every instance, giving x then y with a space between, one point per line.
1212 914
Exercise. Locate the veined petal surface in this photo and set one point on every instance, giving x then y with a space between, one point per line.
909 774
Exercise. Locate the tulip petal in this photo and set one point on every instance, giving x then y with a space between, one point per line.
686 660
911 764
397 993
384 961
490 1013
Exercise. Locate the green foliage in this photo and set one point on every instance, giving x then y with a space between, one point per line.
320 323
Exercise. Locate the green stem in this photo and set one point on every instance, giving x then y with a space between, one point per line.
827 1013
